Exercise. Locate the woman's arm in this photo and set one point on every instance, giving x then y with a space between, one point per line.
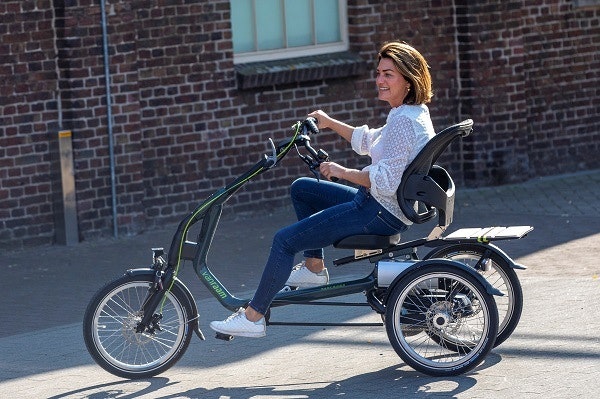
324 121
332 169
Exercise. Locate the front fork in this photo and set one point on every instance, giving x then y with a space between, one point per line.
163 278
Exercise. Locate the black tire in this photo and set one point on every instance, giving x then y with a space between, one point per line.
449 303
500 275
109 329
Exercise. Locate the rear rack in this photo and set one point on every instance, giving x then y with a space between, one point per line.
487 234
408 250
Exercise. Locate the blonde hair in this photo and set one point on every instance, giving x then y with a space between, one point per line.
413 66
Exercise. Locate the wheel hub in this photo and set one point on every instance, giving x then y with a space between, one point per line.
128 330
440 320
439 315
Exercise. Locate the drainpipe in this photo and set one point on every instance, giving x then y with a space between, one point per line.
457 63
111 150
459 88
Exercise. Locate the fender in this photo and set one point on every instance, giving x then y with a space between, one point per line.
499 252
194 320
424 263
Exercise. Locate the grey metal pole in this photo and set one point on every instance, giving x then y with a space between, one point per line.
111 150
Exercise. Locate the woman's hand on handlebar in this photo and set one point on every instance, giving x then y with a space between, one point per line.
321 117
332 171
324 121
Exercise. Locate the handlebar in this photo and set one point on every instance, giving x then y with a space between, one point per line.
313 159
310 123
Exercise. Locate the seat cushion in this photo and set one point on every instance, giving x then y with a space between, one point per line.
365 241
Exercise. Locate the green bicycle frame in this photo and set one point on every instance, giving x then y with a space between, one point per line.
209 213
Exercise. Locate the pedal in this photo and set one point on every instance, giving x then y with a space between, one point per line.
224 337
287 288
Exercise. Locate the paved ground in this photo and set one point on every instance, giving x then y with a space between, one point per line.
553 353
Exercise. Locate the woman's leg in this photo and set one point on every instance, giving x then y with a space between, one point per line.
363 215
310 196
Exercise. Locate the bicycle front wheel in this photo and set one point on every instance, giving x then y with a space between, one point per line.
441 320
109 329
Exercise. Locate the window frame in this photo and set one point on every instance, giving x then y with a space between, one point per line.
304 51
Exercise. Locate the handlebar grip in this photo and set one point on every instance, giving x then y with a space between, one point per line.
311 123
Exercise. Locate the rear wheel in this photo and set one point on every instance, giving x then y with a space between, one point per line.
499 273
441 320
109 329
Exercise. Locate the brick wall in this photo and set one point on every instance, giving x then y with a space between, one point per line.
531 83
562 71
28 102
494 88
527 73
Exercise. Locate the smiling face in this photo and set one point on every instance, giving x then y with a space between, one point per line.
391 85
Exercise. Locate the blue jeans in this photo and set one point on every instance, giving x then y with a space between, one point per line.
327 212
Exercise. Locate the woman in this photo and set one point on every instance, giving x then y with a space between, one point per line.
327 211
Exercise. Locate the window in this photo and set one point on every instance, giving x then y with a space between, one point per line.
586 3
265 30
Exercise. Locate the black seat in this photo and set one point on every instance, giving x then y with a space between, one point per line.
426 190
367 241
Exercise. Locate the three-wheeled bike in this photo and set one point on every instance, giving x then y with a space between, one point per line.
442 314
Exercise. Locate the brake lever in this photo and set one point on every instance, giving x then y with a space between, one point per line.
323 156
313 168
310 162
271 159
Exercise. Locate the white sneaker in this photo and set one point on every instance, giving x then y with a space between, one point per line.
301 277
237 324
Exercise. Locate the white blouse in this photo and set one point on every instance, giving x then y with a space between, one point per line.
391 148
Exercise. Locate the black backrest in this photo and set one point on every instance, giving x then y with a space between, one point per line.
427 189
